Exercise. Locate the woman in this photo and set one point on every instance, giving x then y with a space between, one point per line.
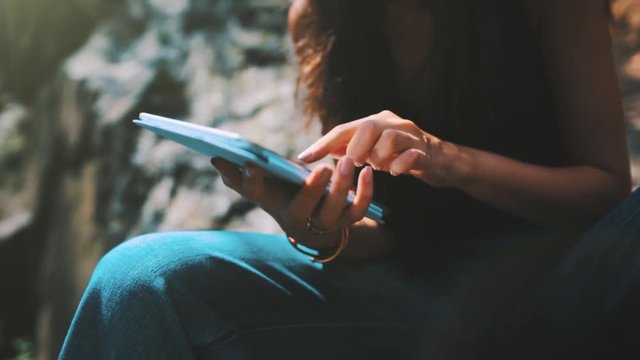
497 135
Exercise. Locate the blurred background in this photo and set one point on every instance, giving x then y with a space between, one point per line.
77 178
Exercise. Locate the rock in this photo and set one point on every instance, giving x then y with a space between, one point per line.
13 224
18 185
12 141
632 111
632 68
101 179
36 35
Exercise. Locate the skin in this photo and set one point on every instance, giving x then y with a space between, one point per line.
291 208
578 58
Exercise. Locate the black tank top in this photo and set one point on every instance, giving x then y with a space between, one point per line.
489 91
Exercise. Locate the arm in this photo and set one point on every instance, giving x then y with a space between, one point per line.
571 197
577 46
579 62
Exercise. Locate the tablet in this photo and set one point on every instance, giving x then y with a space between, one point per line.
232 147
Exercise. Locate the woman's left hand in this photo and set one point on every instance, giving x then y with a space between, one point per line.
390 143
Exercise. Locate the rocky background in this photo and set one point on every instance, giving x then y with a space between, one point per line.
626 35
76 177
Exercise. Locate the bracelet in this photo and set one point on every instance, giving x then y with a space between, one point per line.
344 240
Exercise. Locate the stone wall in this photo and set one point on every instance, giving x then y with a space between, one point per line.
82 178
626 32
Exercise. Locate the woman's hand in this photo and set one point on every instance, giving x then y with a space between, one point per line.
390 143
294 208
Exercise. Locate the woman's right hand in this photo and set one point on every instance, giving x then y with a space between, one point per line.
294 209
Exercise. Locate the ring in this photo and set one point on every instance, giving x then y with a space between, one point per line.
318 230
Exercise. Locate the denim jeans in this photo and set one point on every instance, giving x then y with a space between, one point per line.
229 295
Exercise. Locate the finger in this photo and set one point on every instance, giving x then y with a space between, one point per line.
390 144
332 142
363 141
409 161
305 201
269 194
341 135
231 175
339 152
364 195
334 203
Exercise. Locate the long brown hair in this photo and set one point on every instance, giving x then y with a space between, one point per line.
345 66
344 62
331 48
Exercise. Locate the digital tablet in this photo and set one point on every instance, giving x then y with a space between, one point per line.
232 147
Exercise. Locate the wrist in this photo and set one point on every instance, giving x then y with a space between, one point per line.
323 255
327 240
460 165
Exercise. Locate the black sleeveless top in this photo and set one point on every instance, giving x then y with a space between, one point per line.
489 90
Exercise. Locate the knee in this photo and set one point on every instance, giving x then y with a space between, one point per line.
140 263
131 285
155 263
151 259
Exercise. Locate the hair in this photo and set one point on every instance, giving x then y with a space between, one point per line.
312 44
329 48
340 49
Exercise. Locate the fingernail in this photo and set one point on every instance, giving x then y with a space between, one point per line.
305 155
346 165
368 173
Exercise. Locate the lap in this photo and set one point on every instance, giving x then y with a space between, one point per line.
234 288
236 293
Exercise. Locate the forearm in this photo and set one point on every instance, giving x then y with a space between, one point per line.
558 197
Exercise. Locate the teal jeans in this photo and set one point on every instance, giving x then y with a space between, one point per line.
229 295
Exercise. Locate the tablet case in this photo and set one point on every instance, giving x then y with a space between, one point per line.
232 147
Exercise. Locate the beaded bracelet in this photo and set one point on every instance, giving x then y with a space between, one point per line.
344 240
